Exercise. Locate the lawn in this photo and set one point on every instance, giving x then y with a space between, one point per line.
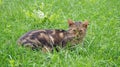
101 46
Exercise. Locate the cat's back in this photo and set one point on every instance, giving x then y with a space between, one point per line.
30 36
42 37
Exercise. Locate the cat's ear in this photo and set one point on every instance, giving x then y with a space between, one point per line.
85 24
70 22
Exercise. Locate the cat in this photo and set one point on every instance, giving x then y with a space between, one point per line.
47 40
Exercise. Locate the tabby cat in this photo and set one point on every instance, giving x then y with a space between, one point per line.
47 40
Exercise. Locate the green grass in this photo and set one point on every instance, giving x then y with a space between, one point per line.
101 45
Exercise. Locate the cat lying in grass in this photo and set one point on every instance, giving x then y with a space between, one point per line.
47 40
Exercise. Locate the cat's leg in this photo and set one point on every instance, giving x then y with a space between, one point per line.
46 49
31 46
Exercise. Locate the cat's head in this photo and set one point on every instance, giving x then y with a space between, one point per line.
77 28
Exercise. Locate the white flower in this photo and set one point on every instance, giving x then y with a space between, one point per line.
39 13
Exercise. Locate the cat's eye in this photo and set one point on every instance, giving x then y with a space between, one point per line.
74 30
80 30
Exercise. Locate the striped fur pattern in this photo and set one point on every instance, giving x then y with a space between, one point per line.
47 40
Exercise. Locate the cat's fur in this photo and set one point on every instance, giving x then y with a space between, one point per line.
49 39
